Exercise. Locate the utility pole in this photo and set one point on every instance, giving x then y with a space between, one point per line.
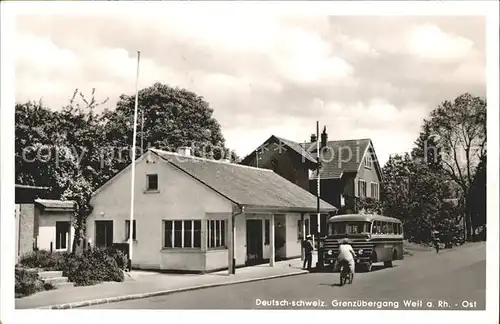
318 157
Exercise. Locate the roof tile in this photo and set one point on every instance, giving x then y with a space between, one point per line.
246 185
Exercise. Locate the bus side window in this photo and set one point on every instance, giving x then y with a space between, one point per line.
395 228
376 227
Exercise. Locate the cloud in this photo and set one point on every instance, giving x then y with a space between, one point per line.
430 42
362 77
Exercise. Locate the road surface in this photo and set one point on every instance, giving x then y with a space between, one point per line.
453 279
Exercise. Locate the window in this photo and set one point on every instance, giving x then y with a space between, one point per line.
182 234
374 190
127 230
267 224
216 233
152 182
308 230
395 228
62 232
299 229
368 161
385 228
377 227
349 228
361 188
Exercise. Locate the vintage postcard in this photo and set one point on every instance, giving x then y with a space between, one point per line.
319 156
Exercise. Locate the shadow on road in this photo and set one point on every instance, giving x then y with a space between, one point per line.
332 285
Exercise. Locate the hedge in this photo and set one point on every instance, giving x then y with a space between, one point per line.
28 282
90 267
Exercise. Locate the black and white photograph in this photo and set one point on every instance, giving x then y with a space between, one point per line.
282 156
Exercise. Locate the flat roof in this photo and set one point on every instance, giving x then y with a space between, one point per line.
20 186
56 204
362 218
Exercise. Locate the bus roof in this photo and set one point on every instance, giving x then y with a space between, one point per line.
362 218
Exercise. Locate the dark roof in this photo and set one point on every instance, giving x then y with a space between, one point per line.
296 147
340 157
56 204
25 194
362 218
247 186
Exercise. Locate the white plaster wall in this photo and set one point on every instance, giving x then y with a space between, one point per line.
216 259
180 197
47 230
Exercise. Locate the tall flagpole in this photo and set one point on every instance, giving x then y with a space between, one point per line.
142 129
132 186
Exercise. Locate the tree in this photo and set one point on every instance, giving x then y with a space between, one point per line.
395 191
172 118
459 131
478 196
416 194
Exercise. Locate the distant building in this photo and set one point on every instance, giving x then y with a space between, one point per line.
185 208
349 169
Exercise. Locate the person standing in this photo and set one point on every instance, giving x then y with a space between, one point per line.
308 248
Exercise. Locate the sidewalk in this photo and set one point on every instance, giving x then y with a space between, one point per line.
143 284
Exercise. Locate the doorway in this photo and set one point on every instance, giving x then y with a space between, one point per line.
104 233
254 242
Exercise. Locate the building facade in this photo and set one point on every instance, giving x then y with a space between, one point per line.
193 214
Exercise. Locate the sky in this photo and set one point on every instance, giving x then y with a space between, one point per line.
362 77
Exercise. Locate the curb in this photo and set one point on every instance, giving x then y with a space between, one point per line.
163 292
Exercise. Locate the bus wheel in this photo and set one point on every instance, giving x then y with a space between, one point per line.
388 264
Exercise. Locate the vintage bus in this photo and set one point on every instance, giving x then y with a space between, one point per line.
374 238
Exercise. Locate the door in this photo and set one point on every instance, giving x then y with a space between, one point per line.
104 233
254 241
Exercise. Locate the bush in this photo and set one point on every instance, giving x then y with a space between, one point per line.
121 258
27 282
43 260
92 267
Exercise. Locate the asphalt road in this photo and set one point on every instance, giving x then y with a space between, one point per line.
453 279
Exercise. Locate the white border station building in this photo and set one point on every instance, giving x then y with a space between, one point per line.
199 215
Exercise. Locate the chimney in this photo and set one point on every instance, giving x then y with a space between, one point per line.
324 138
184 150
313 138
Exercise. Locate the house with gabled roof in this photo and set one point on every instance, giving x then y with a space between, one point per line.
349 169
197 215
287 158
